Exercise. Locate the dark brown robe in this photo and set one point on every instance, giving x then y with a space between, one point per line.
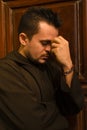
35 97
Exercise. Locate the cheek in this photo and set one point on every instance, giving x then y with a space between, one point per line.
36 50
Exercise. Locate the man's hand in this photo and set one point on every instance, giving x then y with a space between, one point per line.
60 48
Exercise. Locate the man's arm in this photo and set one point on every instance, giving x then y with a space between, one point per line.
60 48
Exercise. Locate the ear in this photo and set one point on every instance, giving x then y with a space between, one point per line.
23 38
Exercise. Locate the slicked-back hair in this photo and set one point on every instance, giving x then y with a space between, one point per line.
29 23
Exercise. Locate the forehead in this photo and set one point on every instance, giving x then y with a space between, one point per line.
46 29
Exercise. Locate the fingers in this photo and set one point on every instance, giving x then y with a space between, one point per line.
59 40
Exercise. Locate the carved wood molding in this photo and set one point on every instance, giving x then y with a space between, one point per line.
84 7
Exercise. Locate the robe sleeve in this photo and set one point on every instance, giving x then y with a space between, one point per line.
69 100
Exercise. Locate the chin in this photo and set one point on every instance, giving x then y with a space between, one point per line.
42 61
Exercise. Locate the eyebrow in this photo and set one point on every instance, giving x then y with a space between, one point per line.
47 41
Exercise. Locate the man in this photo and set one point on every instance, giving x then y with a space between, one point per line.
38 84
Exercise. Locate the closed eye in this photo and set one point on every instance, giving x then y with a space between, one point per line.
45 42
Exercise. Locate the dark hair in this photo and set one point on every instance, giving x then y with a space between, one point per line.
29 23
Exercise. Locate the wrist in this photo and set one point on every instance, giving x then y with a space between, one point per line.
69 70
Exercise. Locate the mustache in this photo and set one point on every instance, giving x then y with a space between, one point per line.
47 53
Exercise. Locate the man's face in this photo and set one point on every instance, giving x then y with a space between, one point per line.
39 47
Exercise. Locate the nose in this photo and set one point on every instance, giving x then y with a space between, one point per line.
48 48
